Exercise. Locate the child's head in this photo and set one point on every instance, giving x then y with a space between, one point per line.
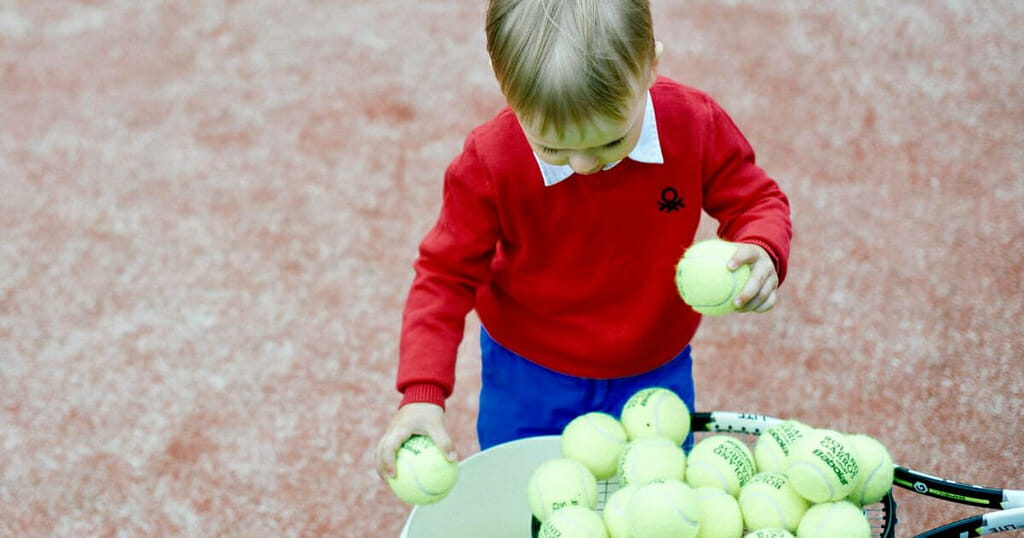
565 64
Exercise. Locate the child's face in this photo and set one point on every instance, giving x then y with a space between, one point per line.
588 147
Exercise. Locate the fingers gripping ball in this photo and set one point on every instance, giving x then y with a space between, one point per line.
720 461
771 451
423 474
822 466
720 515
704 280
841 519
769 501
596 440
651 458
876 470
614 513
573 522
770 533
656 411
660 509
559 483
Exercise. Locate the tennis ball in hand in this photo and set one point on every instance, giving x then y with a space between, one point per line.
656 411
558 483
651 458
875 475
822 466
423 474
720 461
660 509
614 513
720 515
770 533
771 451
841 519
704 280
573 522
769 501
596 440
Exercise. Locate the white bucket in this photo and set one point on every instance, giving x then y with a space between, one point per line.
489 498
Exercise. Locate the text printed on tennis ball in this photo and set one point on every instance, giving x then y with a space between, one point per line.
833 454
735 459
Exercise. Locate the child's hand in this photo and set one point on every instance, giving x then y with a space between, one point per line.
414 418
759 293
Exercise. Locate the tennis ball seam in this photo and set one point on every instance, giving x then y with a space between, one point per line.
717 474
685 517
580 477
732 275
719 512
422 473
824 521
656 409
773 505
596 440
862 489
602 431
417 479
614 513
819 473
656 494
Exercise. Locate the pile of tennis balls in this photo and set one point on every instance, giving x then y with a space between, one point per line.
798 481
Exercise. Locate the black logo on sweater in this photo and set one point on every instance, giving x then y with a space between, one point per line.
670 200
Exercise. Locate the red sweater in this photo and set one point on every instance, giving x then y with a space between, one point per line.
578 276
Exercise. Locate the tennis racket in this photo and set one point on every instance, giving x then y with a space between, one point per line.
1008 503
881 515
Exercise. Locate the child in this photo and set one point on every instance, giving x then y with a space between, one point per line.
561 223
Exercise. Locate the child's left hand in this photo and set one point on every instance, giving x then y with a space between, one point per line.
760 292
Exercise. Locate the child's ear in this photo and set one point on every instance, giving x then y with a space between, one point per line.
659 47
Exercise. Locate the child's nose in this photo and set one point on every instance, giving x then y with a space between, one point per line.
583 163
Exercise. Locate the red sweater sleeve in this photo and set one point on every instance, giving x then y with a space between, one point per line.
746 202
454 261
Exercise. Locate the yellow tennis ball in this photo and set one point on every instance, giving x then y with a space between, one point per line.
840 519
661 509
770 533
771 451
704 280
656 411
769 501
651 458
875 465
558 483
614 513
573 522
720 461
596 440
720 515
423 474
822 466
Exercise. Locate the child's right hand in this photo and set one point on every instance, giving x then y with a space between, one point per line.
414 418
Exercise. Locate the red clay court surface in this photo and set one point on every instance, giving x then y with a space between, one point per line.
208 214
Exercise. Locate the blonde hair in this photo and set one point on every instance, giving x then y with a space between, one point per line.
565 62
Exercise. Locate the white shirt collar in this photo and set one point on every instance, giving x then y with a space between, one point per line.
647 150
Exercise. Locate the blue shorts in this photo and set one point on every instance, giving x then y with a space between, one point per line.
519 398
